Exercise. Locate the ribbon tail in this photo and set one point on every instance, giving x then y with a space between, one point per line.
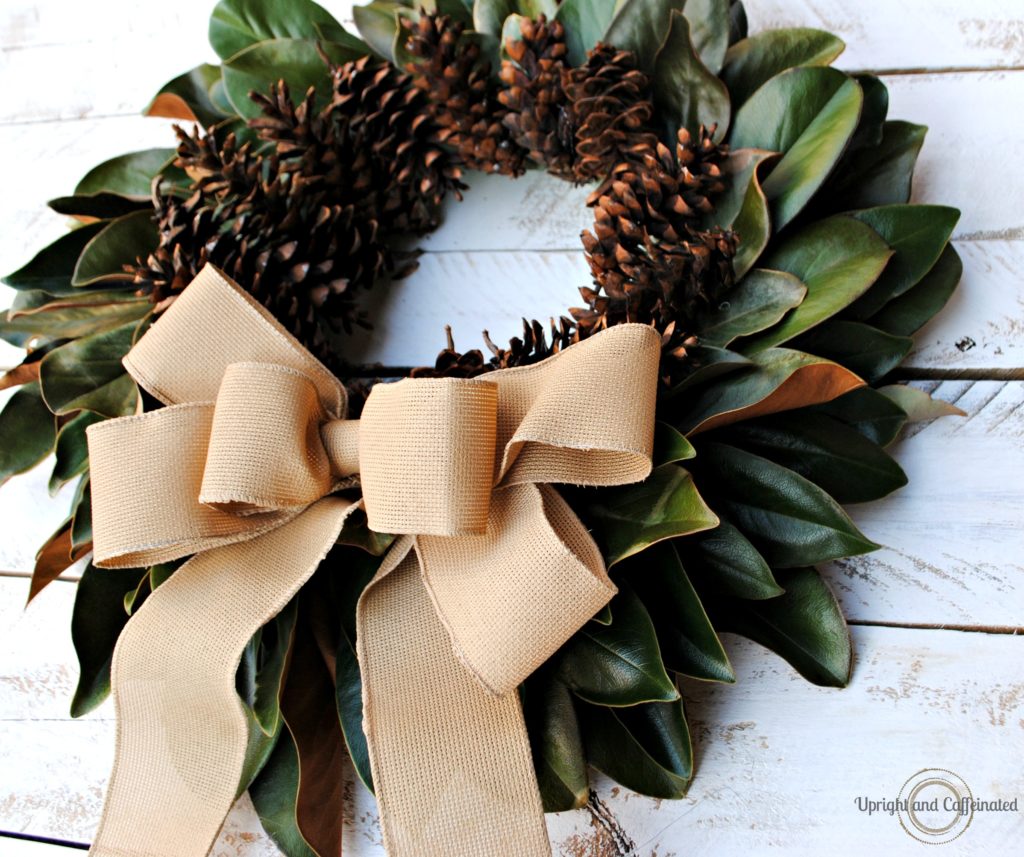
451 761
182 733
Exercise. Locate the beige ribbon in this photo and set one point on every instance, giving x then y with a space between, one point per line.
492 574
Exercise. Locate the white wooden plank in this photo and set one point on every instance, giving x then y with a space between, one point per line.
26 848
780 763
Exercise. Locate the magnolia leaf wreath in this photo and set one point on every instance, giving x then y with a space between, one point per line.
751 204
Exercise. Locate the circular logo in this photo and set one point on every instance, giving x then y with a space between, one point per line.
935 806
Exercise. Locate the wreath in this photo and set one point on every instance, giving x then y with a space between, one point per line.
751 206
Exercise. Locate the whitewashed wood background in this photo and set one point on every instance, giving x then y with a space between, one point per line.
939 675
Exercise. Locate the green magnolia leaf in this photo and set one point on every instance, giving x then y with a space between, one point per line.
378 25
641 26
688 642
917 234
187 97
86 374
128 175
709 31
838 259
274 792
872 116
489 15
861 348
726 560
238 24
805 626
96 622
28 430
686 93
536 8
706 364
835 457
102 205
757 302
72 453
646 748
556 743
918 405
789 519
296 61
869 412
737 22
810 115
617 664
909 312
81 516
670 446
76 315
743 206
51 269
586 22
121 243
753 61
878 175
630 518
779 380
275 640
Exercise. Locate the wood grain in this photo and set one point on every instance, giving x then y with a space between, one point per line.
780 763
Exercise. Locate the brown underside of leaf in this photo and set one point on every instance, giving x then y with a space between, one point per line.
171 106
23 373
808 385
53 558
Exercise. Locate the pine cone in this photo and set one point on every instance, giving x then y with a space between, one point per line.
538 116
456 80
610 111
650 260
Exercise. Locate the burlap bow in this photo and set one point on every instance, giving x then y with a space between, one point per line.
492 572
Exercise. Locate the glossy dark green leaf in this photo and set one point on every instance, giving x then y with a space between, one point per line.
878 175
670 446
103 206
706 364
779 380
838 259
753 61
909 312
686 93
296 61
274 793
861 348
688 642
641 26
128 175
726 560
743 206
275 641
121 243
187 97
50 270
633 517
72 453
555 740
620 663
585 24
76 315
790 520
96 622
378 24
757 302
238 24
81 516
835 457
917 235
87 374
809 114
709 31
869 412
918 405
27 430
737 22
646 748
873 114
489 15
805 626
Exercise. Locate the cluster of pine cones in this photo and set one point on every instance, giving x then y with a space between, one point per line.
305 215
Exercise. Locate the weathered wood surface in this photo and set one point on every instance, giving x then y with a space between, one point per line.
780 762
